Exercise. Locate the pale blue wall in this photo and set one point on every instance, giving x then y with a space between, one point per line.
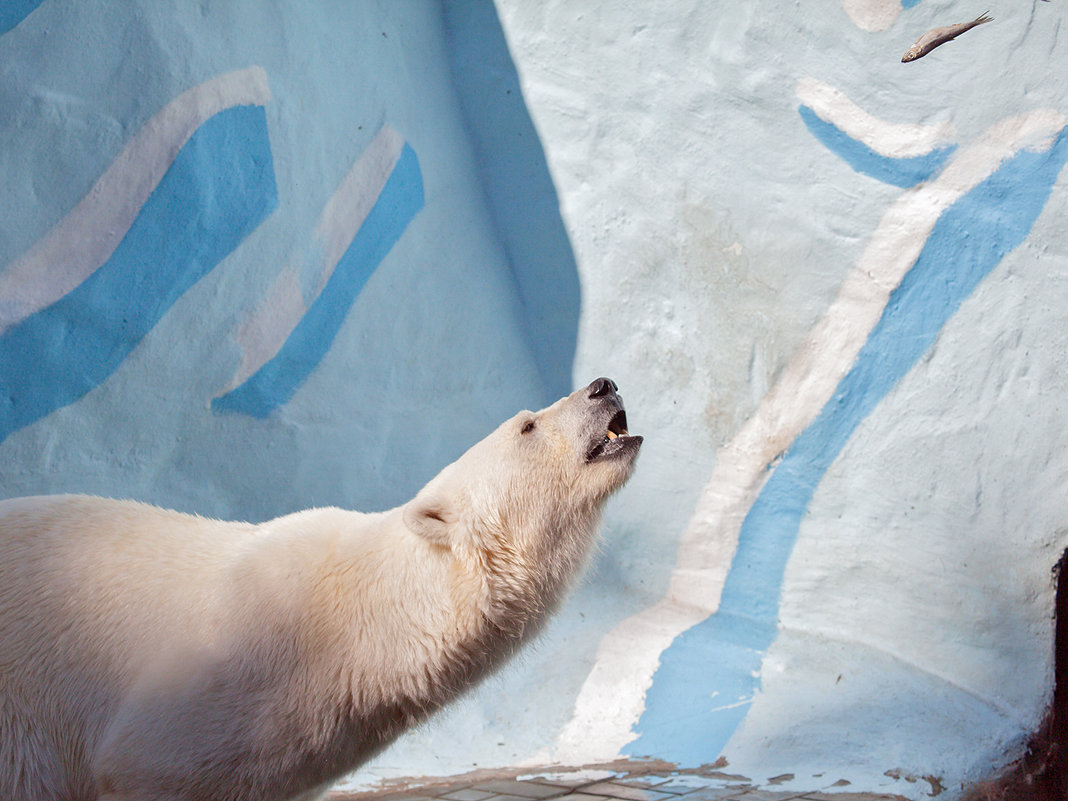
258 257
831 286
453 304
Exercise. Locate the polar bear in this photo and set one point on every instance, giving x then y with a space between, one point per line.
150 655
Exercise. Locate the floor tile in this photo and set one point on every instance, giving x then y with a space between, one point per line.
467 794
616 789
524 789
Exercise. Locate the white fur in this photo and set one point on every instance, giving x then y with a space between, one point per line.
149 655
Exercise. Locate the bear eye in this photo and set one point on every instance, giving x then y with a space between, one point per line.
528 426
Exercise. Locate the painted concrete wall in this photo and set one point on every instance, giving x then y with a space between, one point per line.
838 286
239 243
254 259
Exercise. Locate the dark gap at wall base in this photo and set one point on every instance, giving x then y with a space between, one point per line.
1059 713
1042 773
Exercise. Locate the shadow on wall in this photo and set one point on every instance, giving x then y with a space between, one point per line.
257 365
12 12
519 189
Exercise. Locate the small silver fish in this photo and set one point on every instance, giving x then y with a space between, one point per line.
939 36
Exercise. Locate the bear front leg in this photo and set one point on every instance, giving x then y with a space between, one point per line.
192 733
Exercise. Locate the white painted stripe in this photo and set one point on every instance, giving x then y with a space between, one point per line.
613 696
269 325
357 194
262 334
83 240
895 140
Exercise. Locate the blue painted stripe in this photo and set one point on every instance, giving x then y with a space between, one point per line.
275 383
901 172
689 717
12 12
909 3
220 186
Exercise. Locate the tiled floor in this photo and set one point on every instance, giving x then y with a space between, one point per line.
618 786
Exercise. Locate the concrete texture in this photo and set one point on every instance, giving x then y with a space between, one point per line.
839 269
256 259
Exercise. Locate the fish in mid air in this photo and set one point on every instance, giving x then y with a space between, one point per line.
939 36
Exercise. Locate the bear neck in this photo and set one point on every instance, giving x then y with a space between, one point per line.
418 632
423 623
528 577
378 629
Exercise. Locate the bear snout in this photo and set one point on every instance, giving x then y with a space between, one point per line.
600 387
607 422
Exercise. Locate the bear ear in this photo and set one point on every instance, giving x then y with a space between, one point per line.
431 515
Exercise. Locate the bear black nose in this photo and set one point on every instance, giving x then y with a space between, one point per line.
601 387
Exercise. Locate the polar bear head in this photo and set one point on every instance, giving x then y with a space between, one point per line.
523 504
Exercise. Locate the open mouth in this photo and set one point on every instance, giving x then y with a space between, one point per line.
615 440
